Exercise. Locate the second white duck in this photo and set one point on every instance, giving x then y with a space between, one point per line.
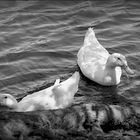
98 65
57 96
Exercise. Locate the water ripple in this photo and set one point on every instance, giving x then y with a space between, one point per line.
40 39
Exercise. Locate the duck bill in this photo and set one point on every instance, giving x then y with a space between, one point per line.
128 70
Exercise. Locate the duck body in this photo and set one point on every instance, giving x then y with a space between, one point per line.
57 96
94 61
95 68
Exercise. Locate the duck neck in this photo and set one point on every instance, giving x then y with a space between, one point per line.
112 75
14 106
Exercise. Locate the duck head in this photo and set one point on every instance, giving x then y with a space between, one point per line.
8 101
119 60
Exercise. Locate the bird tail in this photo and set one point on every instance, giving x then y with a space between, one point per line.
89 37
74 86
71 84
57 82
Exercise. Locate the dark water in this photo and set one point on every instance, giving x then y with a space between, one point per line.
39 41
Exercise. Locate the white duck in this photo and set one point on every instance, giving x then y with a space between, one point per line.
57 96
97 64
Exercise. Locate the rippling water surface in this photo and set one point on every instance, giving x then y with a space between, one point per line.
39 41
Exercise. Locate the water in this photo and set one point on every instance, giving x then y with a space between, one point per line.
39 41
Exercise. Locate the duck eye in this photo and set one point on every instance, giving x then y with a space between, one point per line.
5 97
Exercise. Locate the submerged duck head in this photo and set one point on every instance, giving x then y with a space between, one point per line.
119 60
8 101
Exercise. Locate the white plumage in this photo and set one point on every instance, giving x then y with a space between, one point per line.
57 96
97 64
